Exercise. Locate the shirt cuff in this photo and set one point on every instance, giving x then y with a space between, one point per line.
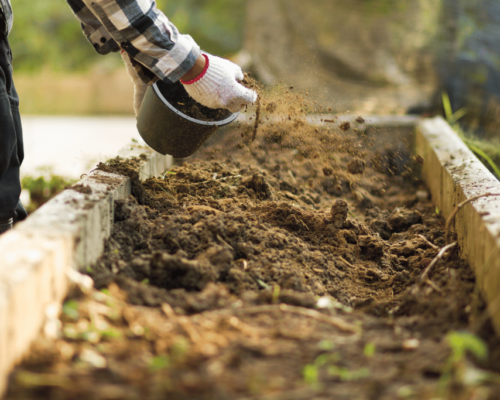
102 41
179 60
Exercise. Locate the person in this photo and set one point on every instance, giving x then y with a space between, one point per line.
153 49
11 135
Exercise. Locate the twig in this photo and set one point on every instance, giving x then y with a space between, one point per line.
428 243
257 120
333 321
223 241
436 259
433 285
457 209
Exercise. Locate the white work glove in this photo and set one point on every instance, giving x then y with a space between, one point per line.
139 86
218 87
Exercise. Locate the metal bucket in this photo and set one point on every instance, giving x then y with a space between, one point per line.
171 122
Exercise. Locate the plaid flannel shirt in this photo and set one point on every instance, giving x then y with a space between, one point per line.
157 49
6 10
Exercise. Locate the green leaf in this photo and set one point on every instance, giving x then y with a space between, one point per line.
448 112
70 309
451 117
369 350
159 363
111 334
276 294
485 156
460 342
326 345
459 114
321 360
311 374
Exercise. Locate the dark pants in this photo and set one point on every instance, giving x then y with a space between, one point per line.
11 136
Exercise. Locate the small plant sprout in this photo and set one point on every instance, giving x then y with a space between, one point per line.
327 362
159 362
111 333
326 345
369 350
311 375
180 348
276 294
70 309
438 211
167 173
456 368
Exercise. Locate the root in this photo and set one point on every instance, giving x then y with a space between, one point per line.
440 255
452 216
333 321
433 285
428 243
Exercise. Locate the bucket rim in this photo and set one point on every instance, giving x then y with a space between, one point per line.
226 121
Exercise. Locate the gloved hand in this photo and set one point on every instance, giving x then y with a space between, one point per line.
139 86
217 86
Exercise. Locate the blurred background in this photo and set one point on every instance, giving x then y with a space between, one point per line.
352 56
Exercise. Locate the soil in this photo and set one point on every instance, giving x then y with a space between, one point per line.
177 96
285 268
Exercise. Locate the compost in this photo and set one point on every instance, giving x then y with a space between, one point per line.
288 267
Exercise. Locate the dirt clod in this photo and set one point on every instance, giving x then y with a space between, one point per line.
356 166
339 212
345 126
81 189
327 171
402 218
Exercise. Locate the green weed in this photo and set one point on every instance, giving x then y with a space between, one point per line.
70 309
44 187
158 363
369 350
327 363
456 369
276 294
489 152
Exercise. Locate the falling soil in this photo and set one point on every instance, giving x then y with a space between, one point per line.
287 268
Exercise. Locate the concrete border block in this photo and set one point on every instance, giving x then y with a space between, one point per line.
454 174
66 233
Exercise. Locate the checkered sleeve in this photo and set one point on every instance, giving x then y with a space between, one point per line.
92 28
160 52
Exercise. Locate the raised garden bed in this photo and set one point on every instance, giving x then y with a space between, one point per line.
294 267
